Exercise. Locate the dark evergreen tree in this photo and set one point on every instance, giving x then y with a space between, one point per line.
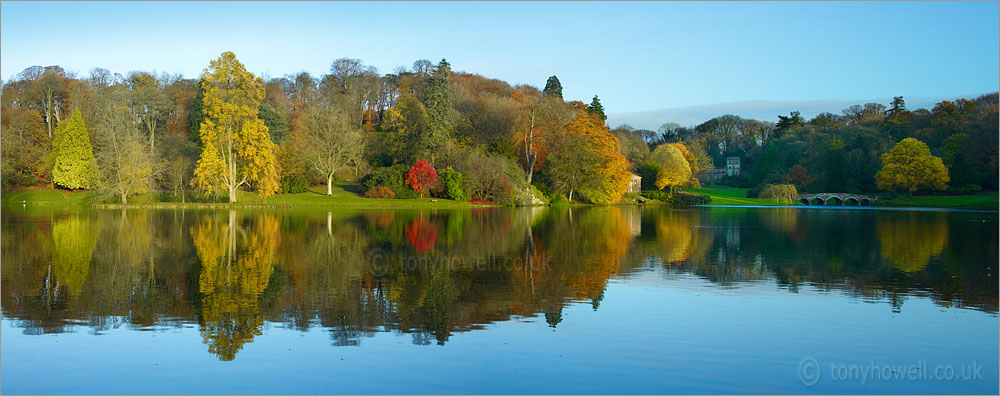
794 120
277 127
553 88
836 162
595 107
438 105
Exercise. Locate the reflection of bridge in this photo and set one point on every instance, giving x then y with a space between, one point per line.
837 199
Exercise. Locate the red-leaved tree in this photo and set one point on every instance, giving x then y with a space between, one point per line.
421 176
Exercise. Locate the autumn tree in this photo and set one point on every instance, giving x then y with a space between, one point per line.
909 166
421 177
75 166
553 88
237 149
693 164
539 119
408 122
333 142
798 175
674 168
24 146
586 159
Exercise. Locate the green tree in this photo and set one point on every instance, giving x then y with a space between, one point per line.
956 150
274 119
439 116
596 108
553 88
769 166
910 166
794 120
836 163
75 166
237 149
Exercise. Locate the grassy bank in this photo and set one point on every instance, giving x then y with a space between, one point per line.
982 201
344 195
723 195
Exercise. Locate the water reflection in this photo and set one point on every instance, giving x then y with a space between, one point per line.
431 274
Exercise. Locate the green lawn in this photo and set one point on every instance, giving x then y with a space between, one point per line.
344 195
983 201
46 196
723 195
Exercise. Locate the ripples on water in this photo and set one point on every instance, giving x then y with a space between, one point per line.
535 300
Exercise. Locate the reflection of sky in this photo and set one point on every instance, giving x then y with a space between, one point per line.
653 333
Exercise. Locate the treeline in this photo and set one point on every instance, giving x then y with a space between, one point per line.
122 135
840 152
481 138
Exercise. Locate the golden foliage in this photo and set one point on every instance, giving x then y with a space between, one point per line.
910 166
237 147
674 168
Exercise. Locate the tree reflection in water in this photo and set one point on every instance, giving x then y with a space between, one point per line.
432 274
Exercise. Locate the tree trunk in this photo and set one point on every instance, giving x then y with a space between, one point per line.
232 194
570 195
124 198
329 184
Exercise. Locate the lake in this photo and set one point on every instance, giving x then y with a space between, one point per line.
499 300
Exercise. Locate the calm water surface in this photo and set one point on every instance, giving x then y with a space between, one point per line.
589 300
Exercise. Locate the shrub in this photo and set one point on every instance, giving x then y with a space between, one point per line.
390 177
968 189
558 200
294 184
681 198
658 195
379 192
449 185
685 199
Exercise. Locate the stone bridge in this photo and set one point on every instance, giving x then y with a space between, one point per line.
837 199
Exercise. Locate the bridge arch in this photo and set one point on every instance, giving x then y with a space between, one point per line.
817 201
851 201
836 200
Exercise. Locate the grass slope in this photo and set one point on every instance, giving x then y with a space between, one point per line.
723 195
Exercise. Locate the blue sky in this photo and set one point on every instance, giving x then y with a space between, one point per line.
636 56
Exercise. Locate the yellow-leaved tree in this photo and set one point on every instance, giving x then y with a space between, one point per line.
237 149
674 168
910 166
